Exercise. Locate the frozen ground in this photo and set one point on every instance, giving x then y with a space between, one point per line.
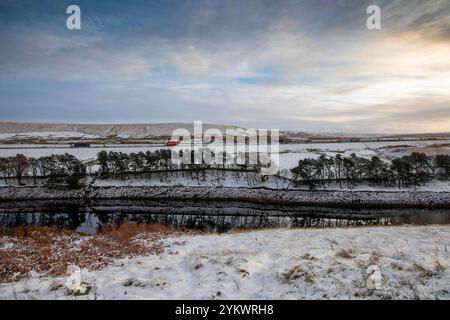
413 263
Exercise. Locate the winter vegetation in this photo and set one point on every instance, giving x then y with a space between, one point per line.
117 164
67 169
409 170
347 171
55 169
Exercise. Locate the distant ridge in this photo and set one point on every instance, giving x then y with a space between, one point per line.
11 130
103 130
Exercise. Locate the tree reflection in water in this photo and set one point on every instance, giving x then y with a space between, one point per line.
67 220
214 217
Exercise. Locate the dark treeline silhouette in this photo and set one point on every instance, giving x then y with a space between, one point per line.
117 164
410 170
55 169
67 169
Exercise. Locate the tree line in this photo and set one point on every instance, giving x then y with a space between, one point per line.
409 170
66 168
55 169
117 164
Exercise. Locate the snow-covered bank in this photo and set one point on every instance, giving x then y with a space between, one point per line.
413 263
369 199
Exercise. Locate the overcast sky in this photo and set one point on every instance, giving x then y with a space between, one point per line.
304 65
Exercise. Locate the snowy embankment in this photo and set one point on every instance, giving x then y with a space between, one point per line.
372 199
402 262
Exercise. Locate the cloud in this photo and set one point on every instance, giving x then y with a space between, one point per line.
289 64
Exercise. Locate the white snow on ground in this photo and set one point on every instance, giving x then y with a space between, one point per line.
246 180
275 264
46 134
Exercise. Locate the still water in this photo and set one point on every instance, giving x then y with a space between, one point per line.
204 215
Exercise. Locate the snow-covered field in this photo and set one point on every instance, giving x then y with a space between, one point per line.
289 153
47 134
402 262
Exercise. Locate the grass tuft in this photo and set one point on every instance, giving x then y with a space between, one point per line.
346 253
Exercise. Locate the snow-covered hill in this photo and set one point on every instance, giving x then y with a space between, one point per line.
10 130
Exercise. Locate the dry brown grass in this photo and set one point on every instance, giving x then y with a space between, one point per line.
298 272
308 256
37 233
396 266
374 257
346 253
51 251
126 231
423 271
